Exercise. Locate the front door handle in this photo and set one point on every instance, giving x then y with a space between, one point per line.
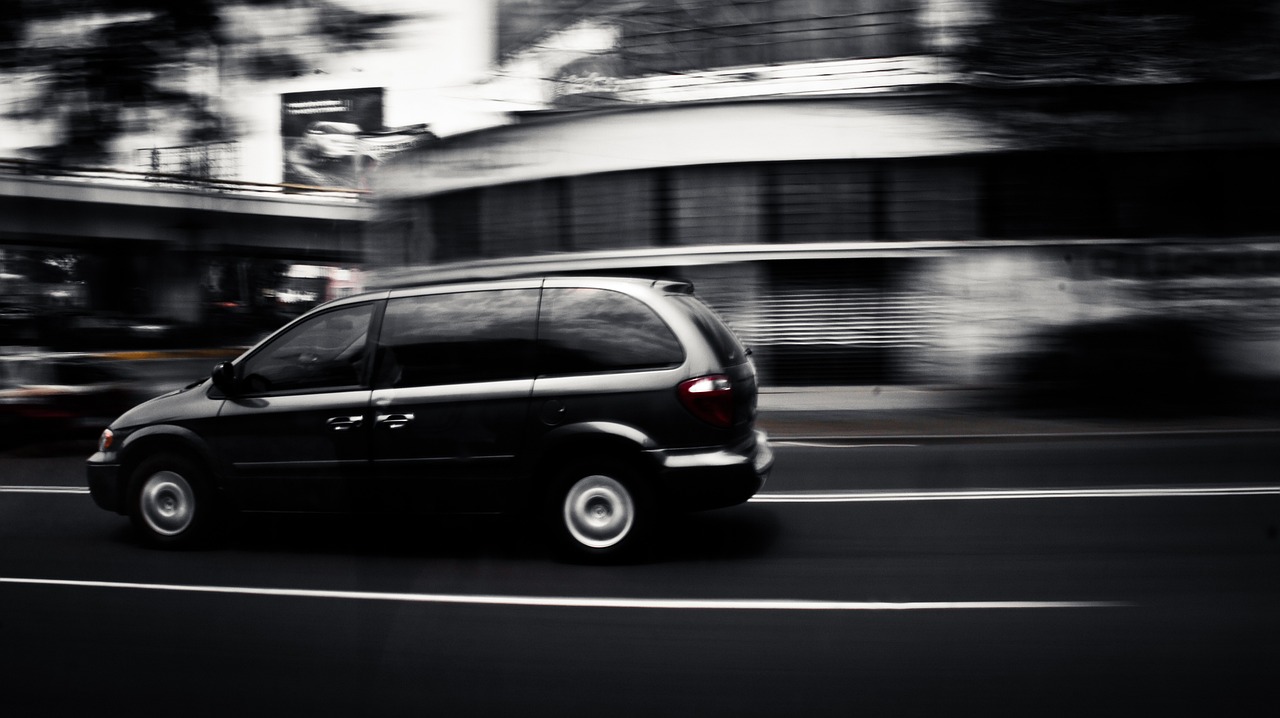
344 423
394 421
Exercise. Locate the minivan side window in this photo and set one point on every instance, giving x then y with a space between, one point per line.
583 330
322 352
457 338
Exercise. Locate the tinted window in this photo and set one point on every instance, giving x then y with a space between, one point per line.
593 330
722 339
457 338
322 352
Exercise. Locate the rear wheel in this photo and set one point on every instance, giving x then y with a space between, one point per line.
600 510
171 504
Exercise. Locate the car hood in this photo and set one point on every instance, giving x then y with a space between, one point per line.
187 403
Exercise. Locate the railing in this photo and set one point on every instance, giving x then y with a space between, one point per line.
52 171
207 160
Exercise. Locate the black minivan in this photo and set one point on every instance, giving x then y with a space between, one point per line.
599 403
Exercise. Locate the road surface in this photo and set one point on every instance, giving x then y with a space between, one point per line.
1126 576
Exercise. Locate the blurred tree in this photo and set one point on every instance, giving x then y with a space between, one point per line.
99 63
1122 41
1091 74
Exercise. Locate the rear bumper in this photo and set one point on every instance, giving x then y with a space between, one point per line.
708 479
106 483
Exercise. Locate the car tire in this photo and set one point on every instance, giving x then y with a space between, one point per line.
599 511
171 504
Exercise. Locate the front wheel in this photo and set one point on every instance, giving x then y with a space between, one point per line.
171 504
600 511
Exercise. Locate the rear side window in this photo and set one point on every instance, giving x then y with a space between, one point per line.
722 339
585 330
457 338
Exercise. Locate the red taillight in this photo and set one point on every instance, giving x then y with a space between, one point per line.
709 398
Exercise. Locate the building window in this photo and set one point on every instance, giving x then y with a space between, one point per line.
823 201
717 204
671 36
521 219
614 211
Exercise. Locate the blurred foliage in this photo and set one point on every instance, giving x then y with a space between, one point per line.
1115 72
521 22
1117 41
97 62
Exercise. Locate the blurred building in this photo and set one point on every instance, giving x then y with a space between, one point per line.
872 191
862 204
155 153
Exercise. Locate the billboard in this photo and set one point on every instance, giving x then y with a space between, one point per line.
335 138
321 133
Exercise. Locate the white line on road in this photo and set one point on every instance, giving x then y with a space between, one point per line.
727 604
1009 494
831 445
810 497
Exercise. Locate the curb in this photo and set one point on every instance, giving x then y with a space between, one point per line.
911 427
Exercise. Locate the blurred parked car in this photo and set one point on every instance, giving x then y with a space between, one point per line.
1133 366
51 396
17 324
104 330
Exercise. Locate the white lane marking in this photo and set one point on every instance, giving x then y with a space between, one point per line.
1064 434
727 604
830 445
1010 494
932 495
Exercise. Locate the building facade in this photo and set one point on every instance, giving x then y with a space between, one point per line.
858 215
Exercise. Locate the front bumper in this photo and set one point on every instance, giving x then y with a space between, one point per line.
709 479
106 482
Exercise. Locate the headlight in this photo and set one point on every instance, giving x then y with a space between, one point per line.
106 440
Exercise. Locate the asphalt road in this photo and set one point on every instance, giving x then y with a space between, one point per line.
1131 576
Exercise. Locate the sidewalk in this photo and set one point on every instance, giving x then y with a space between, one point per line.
885 414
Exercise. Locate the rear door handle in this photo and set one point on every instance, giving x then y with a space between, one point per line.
344 423
394 421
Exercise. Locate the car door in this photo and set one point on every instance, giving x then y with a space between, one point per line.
296 431
452 378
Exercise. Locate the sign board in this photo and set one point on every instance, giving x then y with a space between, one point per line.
321 133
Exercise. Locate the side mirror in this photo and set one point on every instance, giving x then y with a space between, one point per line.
224 378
